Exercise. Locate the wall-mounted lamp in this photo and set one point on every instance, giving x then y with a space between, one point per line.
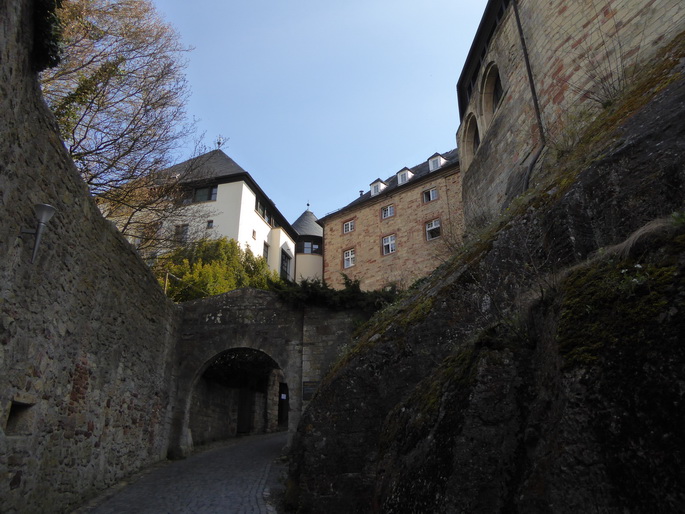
43 212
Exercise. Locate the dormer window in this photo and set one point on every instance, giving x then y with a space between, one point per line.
435 163
377 187
404 176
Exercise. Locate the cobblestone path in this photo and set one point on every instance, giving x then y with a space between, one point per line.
237 477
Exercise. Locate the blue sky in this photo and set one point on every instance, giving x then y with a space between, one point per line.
318 99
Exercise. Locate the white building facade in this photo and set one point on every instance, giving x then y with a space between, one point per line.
229 203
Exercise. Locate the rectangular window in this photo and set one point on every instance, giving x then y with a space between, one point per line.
430 195
285 265
181 233
388 211
402 178
260 207
389 244
434 163
348 258
308 247
348 226
432 229
205 194
210 223
265 252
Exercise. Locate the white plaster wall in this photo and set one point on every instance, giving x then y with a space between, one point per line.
225 211
235 217
253 230
308 266
278 240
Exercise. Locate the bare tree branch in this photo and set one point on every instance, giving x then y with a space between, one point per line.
119 96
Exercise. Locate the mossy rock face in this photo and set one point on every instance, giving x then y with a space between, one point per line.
440 447
622 328
619 307
570 402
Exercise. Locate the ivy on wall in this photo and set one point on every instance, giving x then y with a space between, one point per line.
47 34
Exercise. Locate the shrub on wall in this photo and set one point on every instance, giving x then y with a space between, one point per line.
210 267
318 293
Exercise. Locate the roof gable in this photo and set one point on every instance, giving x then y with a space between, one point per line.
216 167
211 165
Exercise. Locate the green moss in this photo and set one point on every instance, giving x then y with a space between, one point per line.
406 424
612 305
376 330
600 135
418 312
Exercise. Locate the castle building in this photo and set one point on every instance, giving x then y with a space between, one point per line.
229 203
397 231
537 67
308 247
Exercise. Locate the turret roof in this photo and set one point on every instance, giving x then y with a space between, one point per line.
306 225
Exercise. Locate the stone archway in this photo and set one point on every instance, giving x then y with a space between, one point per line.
301 342
239 392
246 319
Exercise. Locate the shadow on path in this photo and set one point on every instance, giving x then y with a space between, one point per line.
238 476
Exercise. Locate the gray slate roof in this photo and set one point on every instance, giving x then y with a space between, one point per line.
419 171
212 165
216 167
306 225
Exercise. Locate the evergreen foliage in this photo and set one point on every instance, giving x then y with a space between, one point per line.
209 267
317 292
47 34
214 266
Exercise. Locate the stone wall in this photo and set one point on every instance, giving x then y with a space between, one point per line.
539 371
214 412
303 343
86 335
326 337
579 53
415 257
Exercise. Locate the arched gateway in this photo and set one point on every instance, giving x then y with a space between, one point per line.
248 363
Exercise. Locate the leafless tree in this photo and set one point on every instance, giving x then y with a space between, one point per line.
119 96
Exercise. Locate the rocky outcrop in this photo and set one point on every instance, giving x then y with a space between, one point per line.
533 373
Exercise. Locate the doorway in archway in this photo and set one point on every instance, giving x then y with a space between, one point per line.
240 392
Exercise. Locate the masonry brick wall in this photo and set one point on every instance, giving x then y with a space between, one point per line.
577 49
214 412
304 342
87 337
326 337
415 256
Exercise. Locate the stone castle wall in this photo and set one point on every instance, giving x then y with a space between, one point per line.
415 256
304 342
578 51
87 337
